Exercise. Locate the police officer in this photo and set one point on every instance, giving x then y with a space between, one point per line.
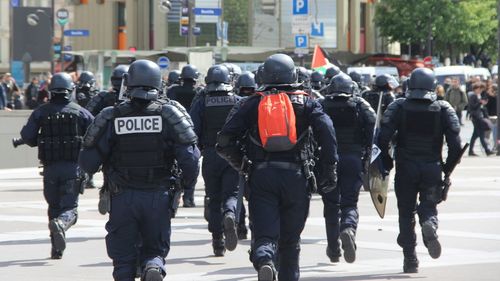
174 78
108 98
419 122
330 73
185 93
234 72
278 187
245 84
317 80
140 140
384 85
221 180
361 87
57 128
187 90
354 121
85 88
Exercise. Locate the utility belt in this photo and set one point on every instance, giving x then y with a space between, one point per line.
307 167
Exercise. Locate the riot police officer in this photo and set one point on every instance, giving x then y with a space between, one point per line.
85 88
354 121
384 84
185 94
187 90
108 98
317 80
221 180
174 78
278 180
330 72
57 128
245 84
361 87
140 140
419 122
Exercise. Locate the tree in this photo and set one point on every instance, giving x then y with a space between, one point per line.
453 25
236 14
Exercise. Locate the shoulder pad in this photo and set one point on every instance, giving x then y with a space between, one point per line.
392 109
98 126
91 106
450 115
179 121
181 108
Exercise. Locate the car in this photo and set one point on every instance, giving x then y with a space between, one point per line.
462 72
484 73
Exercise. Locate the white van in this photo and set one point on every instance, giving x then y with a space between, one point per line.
368 73
484 73
462 72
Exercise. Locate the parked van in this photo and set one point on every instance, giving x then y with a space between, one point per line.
484 73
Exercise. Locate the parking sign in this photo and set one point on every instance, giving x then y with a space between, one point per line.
300 7
301 41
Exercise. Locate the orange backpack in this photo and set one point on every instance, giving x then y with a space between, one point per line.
276 121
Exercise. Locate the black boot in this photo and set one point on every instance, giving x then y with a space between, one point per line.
54 253
348 236
188 203
58 236
218 245
230 234
152 274
333 255
266 272
431 239
242 232
410 263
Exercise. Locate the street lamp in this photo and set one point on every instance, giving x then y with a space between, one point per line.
33 20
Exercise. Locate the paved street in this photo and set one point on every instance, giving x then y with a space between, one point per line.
469 232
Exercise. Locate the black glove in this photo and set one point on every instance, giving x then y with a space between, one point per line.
387 162
329 178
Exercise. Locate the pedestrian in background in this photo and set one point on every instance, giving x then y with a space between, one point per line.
440 92
31 93
456 97
479 118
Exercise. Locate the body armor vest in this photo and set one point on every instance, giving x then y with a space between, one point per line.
372 97
302 151
140 156
217 107
347 121
420 135
184 95
60 136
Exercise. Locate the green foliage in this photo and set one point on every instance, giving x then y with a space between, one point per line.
458 23
236 14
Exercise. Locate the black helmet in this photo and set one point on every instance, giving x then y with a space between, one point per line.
303 74
422 84
258 75
61 83
246 80
355 76
332 71
86 77
189 72
143 80
174 77
117 75
341 85
386 82
234 70
279 69
218 79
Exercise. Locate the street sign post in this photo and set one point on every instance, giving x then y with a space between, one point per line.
207 11
301 41
317 29
301 23
77 32
163 63
300 7
62 16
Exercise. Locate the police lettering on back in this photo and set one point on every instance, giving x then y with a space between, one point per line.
138 125
220 100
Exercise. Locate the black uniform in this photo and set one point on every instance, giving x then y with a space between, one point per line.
279 197
140 140
85 88
419 122
57 128
354 121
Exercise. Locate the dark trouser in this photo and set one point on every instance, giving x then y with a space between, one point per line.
478 132
278 205
342 203
459 115
137 213
221 187
416 178
61 190
189 192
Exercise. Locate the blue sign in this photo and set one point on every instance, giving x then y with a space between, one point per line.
68 57
184 30
163 62
14 3
17 70
300 7
317 29
207 11
77 32
301 41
